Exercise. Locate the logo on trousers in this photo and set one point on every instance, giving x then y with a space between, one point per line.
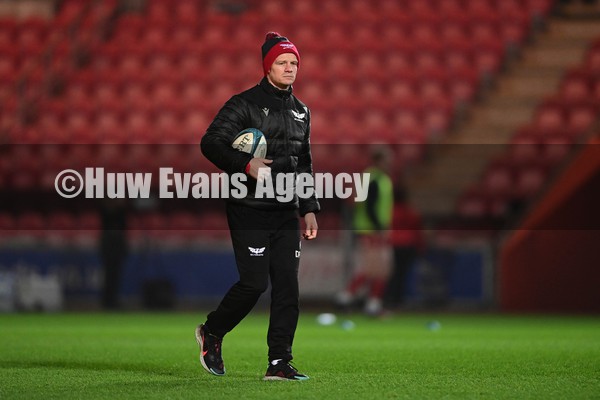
257 251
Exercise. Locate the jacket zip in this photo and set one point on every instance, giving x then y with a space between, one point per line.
287 126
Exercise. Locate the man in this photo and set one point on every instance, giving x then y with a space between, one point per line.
265 231
407 242
371 225
113 249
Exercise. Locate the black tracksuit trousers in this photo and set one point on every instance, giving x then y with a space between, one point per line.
266 246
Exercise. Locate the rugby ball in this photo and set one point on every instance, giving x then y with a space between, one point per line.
251 140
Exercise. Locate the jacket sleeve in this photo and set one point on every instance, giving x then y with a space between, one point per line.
311 204
216 142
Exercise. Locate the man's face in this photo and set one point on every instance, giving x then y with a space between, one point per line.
283 71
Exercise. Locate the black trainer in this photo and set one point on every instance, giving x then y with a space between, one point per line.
210 351
283 371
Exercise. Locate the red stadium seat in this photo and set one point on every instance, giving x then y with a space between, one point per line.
184 226
429 65
166 124
128 28
555 149
575 89
550 116
343 92
473 204
80 157
498 178
592 61
464 84
312 69
164 95
160 66
88 227
8 28
53 164
426 38
30 224
338 36
346 128
402 91
580 119
8 67
109 129
136 97
137 128
142 158
8 226
340 64
525 145
131 66
188 11
194 125
514 28
32 28
433 91
373 94
80 128
529 180
308 39
454 33
190 64
436 121
378 126
107 97
89 220
596 92
149 226
62 222
214 225
69 11
335 8
112 156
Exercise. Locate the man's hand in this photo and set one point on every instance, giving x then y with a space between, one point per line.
261 164
310 232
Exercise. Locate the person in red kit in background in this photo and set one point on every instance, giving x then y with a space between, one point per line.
406 238
265 231
372 219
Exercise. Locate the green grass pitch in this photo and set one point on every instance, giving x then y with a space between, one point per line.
154 356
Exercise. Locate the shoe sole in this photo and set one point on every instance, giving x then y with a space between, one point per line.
199 340
279 378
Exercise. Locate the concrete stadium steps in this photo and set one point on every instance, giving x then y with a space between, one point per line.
459 160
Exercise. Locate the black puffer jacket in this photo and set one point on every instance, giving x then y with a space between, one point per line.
284 120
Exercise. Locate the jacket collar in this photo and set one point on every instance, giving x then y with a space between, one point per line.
271 97
269 88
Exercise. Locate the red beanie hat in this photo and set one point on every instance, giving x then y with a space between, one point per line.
274 46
